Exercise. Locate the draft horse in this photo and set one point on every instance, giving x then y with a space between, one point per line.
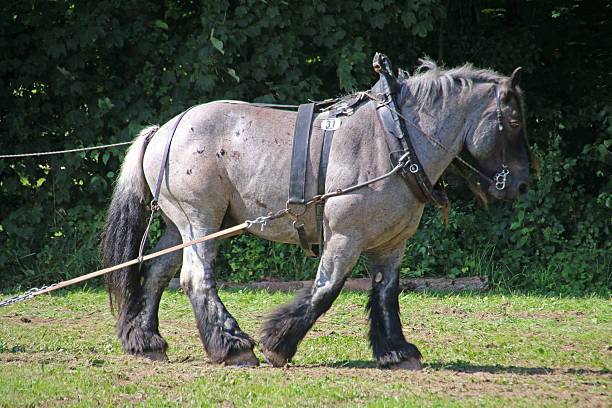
230 162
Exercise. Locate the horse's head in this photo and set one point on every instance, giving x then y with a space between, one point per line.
499 143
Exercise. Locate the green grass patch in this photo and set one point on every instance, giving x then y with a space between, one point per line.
479 350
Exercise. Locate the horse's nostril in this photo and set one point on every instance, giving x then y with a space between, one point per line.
523 188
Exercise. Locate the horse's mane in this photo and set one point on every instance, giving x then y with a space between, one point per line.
430 82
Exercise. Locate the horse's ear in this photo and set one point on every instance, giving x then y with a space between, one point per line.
515 77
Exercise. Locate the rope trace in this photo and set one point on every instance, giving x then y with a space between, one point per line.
81 149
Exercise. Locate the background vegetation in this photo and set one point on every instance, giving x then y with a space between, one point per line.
86 73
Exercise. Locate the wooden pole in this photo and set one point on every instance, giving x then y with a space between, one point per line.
220 234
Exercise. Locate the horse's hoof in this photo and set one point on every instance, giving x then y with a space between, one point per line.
153 355
243 358
410 364
274 358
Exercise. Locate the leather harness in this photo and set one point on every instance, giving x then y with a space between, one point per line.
400 146
299 160
399 141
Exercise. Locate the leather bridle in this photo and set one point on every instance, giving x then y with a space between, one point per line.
500 178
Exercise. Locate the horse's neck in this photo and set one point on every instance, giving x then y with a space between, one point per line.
448 125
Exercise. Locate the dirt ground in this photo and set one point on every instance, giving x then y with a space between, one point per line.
457 381
74 343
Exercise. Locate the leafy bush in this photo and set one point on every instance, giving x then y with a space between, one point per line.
89 73
555 239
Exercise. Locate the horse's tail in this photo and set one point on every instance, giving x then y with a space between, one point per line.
125 224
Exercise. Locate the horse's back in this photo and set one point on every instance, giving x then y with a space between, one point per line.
233 156
234 159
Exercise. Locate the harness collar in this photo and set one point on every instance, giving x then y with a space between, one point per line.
398 139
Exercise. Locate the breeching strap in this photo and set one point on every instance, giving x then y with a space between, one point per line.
160 177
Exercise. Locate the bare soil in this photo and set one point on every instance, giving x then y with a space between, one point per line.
465 382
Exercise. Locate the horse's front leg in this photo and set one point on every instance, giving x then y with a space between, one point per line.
390 348
288 325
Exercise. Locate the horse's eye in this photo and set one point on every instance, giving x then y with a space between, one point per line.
514 123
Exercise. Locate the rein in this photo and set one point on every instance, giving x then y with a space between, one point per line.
317 104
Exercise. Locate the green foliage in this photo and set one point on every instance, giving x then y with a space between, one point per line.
88 73
247 258
555 239
82 74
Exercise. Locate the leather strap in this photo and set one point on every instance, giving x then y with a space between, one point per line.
396 152
299 154
299 160
299 163
319 207
164 162
160 177
299 227
327 140
398 137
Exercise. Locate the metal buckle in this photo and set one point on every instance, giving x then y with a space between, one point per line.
404 159
292 213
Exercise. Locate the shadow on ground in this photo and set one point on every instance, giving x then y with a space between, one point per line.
466 367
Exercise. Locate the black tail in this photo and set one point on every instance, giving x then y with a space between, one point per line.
125 224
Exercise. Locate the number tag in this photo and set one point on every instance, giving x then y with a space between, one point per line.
331 124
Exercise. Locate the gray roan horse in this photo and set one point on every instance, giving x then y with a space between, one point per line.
230 162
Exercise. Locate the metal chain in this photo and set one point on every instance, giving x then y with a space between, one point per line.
30 294
259 220
263 220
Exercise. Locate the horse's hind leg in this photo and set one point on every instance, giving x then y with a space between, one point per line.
138 326
288 325
222 338
389 346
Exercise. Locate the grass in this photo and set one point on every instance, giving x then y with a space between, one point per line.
479 350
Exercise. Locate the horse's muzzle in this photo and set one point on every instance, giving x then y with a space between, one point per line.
512 190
